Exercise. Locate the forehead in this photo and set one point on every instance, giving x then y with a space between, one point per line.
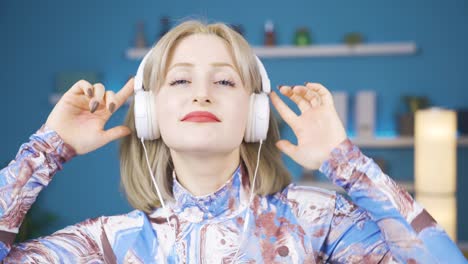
201 49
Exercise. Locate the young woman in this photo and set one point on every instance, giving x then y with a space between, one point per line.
207 190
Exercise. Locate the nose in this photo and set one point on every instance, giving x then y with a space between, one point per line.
202 99
201 95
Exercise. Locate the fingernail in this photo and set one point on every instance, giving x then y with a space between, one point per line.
112 107
94 106
90 92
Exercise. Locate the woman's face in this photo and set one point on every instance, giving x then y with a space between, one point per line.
201 76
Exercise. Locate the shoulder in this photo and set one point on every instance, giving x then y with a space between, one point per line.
130 220
122 227
310 205
312 208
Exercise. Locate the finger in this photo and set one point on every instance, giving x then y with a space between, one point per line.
285 112
124 93
99 91
82 87
116 133
309 95
325 95
98 97
286 147
110 101
299 100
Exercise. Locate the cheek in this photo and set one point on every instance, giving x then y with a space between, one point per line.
167 112
237 115
243 113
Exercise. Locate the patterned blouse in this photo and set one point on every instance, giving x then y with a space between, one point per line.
378 223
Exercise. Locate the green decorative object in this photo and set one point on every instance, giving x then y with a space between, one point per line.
353 38
302 37
34 224
414 103
405 121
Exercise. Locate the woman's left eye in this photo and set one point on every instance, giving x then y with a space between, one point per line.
226 83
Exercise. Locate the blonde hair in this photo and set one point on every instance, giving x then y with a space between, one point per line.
135 180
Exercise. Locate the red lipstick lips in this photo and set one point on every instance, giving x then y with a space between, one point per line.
200 116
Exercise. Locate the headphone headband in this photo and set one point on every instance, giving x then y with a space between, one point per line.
139 76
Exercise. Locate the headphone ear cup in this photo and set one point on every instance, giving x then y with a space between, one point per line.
156 134
145 116
249 129
259 117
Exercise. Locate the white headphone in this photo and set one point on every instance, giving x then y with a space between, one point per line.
146 121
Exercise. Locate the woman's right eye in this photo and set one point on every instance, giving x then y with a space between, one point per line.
177 82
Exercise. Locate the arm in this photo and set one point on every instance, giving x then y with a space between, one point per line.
407 229
85 242
21 181
409 232
38 160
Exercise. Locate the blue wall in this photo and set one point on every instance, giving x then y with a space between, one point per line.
41 38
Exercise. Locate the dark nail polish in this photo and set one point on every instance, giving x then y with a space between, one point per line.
94 106
90 92
112 107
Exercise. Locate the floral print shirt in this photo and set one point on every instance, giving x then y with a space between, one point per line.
378 223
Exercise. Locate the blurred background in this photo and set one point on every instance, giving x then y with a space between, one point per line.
394 57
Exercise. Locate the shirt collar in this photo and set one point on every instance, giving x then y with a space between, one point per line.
226 202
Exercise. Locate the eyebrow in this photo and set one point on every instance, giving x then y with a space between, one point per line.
215 64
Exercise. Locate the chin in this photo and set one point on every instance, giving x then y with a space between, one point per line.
205 145
203 140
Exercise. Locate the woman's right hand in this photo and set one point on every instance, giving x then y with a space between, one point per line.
80 115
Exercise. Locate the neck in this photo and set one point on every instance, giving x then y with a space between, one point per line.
204 174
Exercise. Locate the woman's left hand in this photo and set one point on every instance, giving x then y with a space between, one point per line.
318 129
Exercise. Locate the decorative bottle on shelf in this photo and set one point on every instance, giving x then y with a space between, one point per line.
238 28
270 38
340 99
165 26
140 39
365 114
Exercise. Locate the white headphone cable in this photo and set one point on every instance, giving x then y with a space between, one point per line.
247 218
155 185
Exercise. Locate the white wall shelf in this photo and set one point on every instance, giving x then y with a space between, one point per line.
336 50
329 50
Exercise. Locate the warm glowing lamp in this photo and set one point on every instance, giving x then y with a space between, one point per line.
435 155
